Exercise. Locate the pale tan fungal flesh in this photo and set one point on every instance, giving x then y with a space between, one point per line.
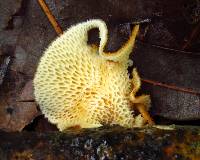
77 84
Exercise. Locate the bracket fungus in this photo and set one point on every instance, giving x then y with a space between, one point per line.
77 84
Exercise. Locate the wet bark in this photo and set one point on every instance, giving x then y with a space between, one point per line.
103 143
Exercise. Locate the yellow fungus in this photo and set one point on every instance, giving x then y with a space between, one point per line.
77 84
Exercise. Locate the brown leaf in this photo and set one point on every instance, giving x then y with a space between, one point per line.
27 92
16 117
8 9
175 68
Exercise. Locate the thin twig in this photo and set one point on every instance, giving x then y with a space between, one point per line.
170 49
171 87
147 20
192 36
51 18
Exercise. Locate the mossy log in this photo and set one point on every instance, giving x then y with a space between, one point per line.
105 143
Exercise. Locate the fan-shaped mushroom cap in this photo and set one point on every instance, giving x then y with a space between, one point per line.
77 84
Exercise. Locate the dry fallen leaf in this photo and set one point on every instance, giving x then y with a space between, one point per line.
27 92
15 118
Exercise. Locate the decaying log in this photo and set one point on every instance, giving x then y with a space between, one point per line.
103 143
